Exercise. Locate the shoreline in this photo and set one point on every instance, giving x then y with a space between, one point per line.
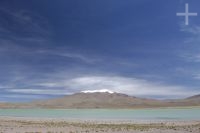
49 125
100 121
137 108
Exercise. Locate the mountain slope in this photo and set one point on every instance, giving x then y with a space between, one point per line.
195 97
97 100
104 100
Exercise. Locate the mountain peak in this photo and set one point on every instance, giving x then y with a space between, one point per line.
101 91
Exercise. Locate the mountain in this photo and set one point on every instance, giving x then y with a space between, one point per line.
104 100
195 97
97 100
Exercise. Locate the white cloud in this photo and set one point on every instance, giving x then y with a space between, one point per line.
21 96
27 21
196 76
191 43
70 54
193 32
131 86
40 91
119 84
191 57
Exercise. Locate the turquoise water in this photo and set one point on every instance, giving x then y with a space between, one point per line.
107 114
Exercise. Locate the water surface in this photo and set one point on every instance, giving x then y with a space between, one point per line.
107 114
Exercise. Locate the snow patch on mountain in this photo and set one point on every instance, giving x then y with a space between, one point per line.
94 91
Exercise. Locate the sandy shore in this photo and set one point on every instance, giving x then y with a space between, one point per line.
33 125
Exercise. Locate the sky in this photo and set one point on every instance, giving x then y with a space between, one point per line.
141 48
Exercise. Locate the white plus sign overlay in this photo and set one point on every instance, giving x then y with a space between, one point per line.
186 14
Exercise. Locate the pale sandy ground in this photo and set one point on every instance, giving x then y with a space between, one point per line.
31 125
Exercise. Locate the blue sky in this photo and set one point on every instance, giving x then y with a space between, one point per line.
138 47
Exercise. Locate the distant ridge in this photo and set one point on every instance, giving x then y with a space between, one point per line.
106 100
194 97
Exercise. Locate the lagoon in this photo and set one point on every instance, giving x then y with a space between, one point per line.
106 114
